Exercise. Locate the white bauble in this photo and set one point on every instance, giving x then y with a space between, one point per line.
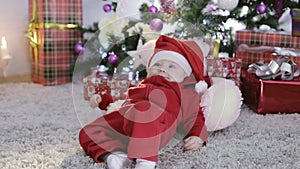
221 104
130 8
228 4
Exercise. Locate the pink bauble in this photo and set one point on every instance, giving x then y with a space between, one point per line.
107 8
113 58
156 24
261 9
79 48
153 9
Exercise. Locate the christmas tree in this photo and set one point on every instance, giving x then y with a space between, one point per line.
211 16
192 18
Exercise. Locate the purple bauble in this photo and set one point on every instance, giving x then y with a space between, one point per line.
107 8
156 24
79 48
261 9
113 58
153 9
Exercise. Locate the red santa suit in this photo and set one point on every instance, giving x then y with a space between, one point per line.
146 121
149 117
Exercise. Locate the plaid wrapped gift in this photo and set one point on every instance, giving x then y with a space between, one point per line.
249 58
117 88
274 39
53 35
295 13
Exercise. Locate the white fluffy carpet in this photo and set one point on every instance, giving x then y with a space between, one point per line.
39 130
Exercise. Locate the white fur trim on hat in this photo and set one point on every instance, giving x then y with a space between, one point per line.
201 87
172 56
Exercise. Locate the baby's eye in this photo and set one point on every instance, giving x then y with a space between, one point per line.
157 64
172 66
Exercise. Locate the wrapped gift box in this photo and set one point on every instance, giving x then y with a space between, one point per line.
229 68
249 58
223 67
263 38
52 33
270 96
295 13
117 88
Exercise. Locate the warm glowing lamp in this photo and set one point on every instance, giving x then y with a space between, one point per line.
5 57
4 50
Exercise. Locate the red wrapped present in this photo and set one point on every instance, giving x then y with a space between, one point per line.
270 96
229 68
52 33
116 88
263 38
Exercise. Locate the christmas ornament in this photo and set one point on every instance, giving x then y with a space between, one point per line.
113 58
212 8
79 47
156 24
100 72
153 9
261 9
180 27
126 8
168 6
228 4
107 8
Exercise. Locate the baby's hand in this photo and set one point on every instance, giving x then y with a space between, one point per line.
192 143
95 100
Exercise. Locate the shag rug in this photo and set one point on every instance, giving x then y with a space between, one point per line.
39 130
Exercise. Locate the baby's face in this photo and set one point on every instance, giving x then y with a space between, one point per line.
167 69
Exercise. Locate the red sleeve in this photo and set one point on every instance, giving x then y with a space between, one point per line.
199 128
208 80
106 100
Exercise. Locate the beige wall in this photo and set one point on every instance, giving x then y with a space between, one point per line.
14 19
13 24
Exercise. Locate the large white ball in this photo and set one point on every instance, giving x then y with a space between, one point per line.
221 104
228 4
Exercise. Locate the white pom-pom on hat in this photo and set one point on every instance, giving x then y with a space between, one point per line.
201 87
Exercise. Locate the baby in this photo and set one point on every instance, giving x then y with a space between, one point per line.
165 102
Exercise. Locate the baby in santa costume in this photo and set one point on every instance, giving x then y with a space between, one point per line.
165 102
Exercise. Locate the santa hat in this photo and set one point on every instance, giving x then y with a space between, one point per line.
187 54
